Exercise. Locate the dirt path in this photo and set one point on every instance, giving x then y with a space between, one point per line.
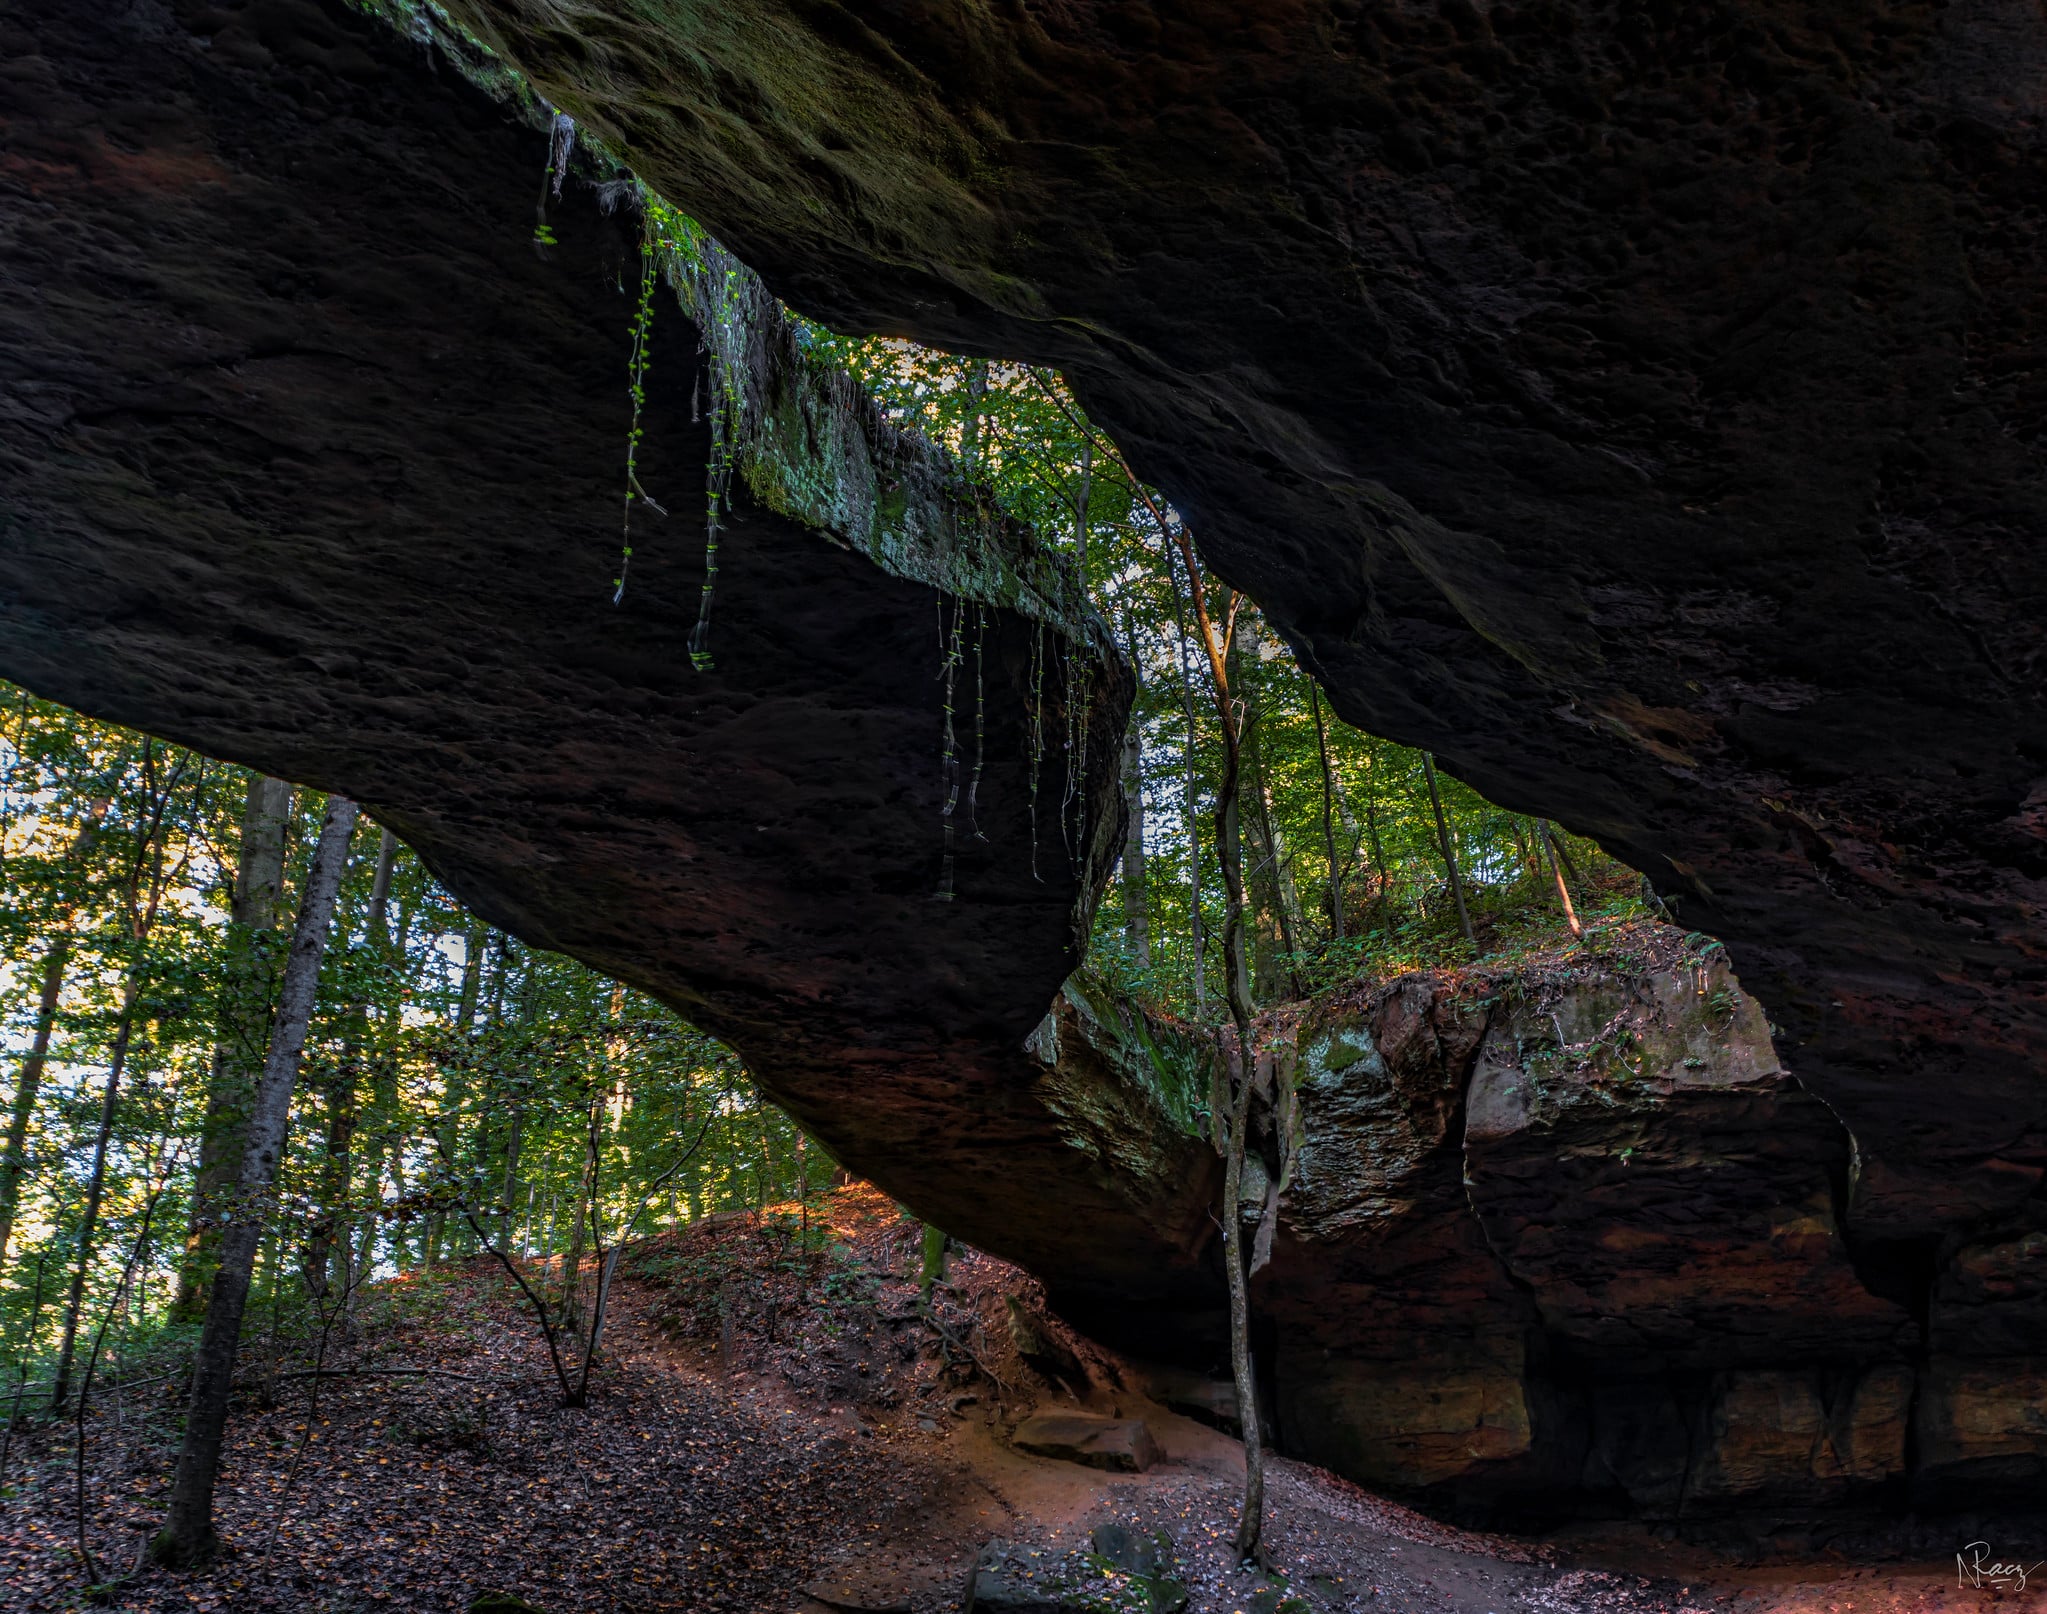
749 1453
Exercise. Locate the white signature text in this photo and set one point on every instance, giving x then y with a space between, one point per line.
1975 1569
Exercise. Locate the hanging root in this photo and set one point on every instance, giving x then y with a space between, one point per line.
561 142
717 485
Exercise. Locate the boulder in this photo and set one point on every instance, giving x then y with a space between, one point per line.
1016 1581
1122 1444
1144 1559
1658 1182
859 1594
1568 1238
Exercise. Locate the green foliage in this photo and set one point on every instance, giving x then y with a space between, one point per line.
1360 834
450 1069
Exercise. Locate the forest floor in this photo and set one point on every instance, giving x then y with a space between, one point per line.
778 1429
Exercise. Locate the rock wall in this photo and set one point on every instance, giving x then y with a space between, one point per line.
1571 1240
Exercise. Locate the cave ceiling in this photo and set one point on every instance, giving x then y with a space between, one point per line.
1638 405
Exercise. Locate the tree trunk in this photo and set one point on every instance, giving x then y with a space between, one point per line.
1231 1135
1328 816
1136 895
25 1090
1272 933
15 1161
88 1216
246 985
329 1216
456 1091
1081 497
1197 931
383 1078
1378 849
1549 845
188 1536
1449 851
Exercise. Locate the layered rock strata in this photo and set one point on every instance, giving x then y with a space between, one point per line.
310 459
1572 1240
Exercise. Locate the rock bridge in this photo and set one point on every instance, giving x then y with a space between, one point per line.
1640 410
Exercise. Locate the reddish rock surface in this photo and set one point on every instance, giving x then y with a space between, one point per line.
1122 1444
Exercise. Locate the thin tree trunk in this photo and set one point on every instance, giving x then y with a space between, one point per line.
1328 816
1136 895
456 1092
1234 1137
1562 854
1272 934
244 1015
88 1216
1082 495
970 434
1449 852
1556 869
14 1163
188 1536
572 1263
329 1216
1197 930
1378 850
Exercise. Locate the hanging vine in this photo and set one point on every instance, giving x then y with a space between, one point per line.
980 719
949 641
717 490
561 145
636 380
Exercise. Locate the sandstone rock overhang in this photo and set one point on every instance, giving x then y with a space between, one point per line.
307 459
1639 406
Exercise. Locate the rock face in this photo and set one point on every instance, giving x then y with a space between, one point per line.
310 460
1570 1240
1639 407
